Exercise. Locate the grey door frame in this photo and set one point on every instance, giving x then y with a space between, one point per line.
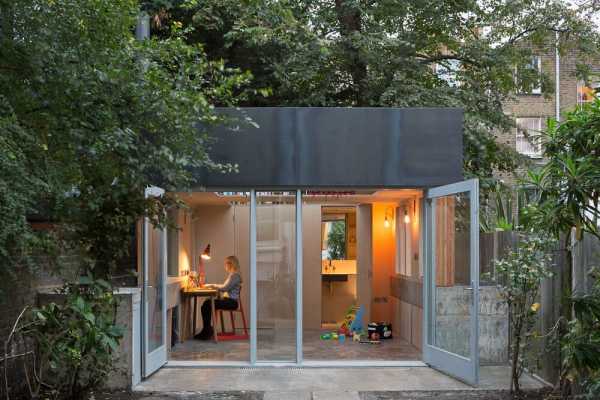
155 359
463 368
299 359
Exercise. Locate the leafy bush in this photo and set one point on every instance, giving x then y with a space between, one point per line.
581 344
76 339
519 275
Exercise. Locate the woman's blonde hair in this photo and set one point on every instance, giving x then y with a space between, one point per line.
233 262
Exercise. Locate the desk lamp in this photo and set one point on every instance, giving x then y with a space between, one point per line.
201 272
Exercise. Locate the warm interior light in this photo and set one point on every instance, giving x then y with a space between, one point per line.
406 217
206 253
386 222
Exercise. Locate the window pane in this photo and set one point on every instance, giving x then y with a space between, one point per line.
528 136
453 304
276 276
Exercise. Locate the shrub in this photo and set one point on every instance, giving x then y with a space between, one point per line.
76 339
520 274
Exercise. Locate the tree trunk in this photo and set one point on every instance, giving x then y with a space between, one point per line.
514 384
349 18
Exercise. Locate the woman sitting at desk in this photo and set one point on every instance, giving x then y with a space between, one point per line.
231 295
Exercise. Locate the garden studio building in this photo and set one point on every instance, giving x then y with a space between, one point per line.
336 215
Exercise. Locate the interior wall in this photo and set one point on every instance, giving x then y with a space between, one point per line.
226 229
311 275
407 283
184 222
364 257
384 249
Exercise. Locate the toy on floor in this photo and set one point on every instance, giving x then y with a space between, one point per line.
367 341
382 330
357 323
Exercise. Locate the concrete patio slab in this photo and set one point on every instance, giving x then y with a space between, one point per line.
326 380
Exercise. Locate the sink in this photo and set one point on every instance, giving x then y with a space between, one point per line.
338 267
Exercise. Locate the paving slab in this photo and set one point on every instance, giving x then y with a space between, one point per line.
335 396
295 380
277 395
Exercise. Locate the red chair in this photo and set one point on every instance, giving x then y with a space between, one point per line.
230 335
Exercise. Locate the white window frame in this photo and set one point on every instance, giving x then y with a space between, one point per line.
532 133
536 61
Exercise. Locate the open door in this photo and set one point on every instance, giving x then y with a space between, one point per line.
451 287
154 278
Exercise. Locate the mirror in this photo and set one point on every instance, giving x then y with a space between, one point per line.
338 233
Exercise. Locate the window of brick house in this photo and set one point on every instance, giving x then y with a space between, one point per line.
534 66
587 93
529 136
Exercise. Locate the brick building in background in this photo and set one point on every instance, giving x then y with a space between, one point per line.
531 110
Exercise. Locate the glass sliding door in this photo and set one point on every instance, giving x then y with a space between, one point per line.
276 276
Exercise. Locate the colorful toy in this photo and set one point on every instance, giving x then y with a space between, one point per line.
342 338
326 336
356 337
357 324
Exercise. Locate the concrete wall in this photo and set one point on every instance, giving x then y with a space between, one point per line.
128 362
452 328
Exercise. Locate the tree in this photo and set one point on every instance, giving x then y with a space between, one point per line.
568 187
388 53
90 117
336 240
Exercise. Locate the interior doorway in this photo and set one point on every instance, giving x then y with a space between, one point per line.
338 264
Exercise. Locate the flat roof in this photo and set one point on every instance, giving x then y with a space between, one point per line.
330 147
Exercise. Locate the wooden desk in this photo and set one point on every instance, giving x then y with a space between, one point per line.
193 294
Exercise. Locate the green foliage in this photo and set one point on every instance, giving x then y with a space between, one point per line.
519 275
17 190
498 211
581 344
76 339
90 117
336 241
569 183
388 54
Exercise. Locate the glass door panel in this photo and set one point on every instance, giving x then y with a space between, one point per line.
154 275
276 276
452 232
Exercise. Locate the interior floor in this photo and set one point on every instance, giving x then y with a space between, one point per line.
314 348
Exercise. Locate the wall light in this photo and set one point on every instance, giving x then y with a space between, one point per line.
388 216
406 217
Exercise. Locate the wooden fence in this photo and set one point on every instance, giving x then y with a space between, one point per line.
585 256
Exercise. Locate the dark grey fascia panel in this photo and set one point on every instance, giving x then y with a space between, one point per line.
313 147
